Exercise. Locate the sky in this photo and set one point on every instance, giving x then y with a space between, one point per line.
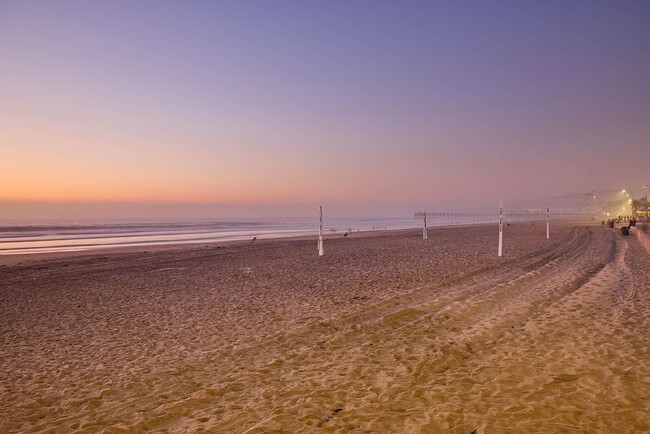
119 108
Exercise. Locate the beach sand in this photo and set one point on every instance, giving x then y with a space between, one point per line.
385 333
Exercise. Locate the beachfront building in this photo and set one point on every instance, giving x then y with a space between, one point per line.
643 208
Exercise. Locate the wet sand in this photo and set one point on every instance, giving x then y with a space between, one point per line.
386 333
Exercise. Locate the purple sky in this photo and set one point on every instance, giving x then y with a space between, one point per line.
367 107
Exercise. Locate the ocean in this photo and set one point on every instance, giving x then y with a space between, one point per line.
18 238
27 238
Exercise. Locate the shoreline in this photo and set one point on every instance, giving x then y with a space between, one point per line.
17 258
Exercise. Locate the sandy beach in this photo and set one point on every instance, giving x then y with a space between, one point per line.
385 333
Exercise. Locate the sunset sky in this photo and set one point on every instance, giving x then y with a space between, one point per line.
366 106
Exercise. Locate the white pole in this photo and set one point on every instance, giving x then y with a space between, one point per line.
321 251
501 229
548 233
424 231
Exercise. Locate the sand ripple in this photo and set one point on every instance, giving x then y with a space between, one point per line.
384 334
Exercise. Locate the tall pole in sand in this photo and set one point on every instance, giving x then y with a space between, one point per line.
501 229
548 233
424 230
321 251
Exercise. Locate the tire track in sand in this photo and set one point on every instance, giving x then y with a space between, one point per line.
544 343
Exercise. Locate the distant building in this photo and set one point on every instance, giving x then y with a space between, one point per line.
644 207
